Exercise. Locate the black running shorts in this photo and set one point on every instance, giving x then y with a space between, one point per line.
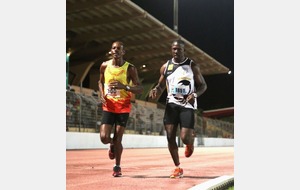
175 114
114 118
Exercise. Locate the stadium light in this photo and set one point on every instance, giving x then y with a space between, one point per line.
175 16
68 67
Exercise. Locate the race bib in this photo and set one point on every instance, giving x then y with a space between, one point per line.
180 90
113 92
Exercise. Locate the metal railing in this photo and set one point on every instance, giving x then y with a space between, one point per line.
83 114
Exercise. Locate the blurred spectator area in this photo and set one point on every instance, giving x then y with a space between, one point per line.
84 112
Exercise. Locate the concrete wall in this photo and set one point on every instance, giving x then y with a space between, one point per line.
79 140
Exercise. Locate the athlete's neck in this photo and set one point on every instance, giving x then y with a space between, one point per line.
179 60
118 62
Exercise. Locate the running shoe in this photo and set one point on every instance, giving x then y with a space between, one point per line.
117 171
177 173
189 149
111 153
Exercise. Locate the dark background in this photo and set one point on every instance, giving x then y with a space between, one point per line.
209 25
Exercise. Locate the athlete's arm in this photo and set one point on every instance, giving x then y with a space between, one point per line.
137 87
160 85
200 83
101 82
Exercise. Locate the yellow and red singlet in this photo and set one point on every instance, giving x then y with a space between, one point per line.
117 100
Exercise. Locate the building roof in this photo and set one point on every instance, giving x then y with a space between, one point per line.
92 26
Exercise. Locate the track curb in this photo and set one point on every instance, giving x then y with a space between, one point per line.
220 183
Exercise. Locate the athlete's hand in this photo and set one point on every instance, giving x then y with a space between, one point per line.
102 99
153 93
190 99
116 85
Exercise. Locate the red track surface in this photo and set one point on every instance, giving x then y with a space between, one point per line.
146 168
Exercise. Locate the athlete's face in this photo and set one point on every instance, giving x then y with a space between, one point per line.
117 50
178 52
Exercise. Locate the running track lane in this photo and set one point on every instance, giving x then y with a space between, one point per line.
146 168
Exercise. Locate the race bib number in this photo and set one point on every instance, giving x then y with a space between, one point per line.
113 92
180 90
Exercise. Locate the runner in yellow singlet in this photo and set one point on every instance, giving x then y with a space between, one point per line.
118 79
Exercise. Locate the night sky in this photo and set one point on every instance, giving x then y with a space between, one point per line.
208 24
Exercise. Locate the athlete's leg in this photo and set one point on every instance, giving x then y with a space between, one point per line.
117 141
172 145
187 136
187 122
171 119
108 120
105 130
121 121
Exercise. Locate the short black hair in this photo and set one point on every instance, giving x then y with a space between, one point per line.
120 42
179 41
